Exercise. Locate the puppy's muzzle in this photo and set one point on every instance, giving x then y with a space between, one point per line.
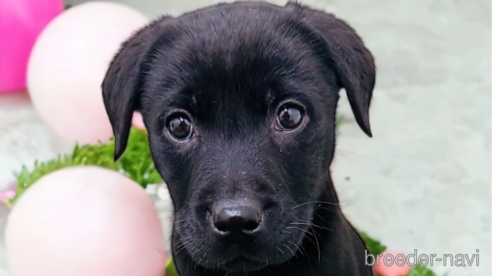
236 220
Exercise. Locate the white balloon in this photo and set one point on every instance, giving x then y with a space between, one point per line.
68 64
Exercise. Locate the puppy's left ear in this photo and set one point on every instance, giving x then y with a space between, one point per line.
346 54
122 84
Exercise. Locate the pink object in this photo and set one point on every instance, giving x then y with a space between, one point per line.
82 221
393 269
8 194
137 121
68 64
21 21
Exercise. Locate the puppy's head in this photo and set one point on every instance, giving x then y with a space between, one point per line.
239 101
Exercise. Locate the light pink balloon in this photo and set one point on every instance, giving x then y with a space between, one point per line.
137 121
68 64
21 21
391 270
83 221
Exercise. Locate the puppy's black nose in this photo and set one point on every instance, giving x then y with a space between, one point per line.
236 218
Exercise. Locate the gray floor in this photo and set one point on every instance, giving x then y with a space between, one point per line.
423 181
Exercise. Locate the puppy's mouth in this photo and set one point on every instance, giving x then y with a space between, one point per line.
243 264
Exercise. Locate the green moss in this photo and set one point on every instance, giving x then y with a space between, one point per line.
136 162
171 268
373 246
421 271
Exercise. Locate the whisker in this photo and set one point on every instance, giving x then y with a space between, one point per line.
283 253
307 255
178 228
180 242
298 248
183 243
311 224
305 236
314 202
317 245
198 249
300 229
293 254
311 240
329 209
322 218
297 228
183 246
202 257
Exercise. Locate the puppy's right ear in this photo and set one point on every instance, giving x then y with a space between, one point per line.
122 84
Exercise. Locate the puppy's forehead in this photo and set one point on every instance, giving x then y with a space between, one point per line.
230 62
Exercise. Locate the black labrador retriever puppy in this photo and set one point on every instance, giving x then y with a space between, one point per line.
239 101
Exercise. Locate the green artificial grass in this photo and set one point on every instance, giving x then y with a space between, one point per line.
136 163
421 271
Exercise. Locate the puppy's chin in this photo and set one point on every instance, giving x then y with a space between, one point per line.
233 260
243 264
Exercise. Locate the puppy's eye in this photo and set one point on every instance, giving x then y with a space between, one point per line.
180 127
289 116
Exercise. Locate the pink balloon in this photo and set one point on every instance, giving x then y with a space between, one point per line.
137 121
68 64
85 221
21 21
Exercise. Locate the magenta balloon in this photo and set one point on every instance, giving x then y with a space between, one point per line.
21 21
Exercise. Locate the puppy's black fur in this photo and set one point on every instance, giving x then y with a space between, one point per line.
227 69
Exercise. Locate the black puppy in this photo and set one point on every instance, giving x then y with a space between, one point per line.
239 101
